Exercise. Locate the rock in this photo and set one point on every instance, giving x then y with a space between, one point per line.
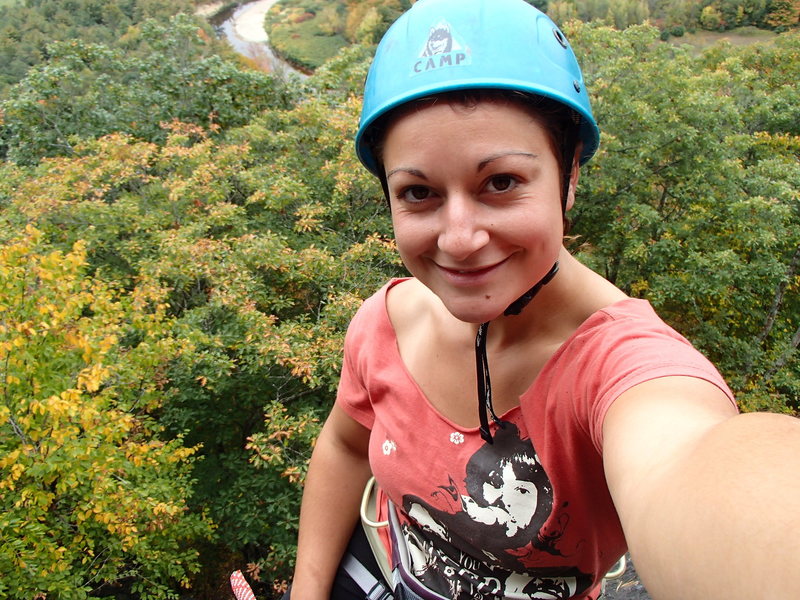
627 586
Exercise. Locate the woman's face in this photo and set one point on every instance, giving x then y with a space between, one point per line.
475 198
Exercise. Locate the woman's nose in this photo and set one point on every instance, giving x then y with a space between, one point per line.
462 229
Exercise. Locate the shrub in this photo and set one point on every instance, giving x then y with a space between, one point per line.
91 499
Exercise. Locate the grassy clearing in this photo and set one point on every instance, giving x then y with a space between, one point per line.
302 34
742 36
304 46
4 3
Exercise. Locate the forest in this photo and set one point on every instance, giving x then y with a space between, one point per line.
309 32
184 238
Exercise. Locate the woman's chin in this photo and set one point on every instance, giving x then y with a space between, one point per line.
475 311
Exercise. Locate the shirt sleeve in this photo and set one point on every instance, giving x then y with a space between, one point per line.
629 349
353 393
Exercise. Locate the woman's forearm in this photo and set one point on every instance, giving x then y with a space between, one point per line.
336 478
725 522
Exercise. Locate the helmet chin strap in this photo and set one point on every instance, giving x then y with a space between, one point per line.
485 407
516 307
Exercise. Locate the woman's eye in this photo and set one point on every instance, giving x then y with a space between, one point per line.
501 183
416 193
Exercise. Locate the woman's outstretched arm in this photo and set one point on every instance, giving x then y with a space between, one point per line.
709 500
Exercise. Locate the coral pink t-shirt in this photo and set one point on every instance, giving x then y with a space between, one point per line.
529 516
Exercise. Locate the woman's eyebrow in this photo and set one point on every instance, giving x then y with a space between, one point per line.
481 165
488 160
409 170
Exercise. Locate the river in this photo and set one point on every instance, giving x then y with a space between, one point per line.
243 28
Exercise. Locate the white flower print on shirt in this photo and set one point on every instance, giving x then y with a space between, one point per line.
388 447
457 437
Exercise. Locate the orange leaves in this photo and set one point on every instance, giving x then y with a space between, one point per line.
101 166
189 166
308 217
198 170
285 442
294 474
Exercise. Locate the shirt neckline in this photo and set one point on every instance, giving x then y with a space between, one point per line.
599 316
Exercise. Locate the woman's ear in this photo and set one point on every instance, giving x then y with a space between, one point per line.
574 175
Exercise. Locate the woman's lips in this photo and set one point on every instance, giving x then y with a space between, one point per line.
469 276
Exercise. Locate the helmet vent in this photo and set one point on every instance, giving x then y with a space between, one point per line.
560 37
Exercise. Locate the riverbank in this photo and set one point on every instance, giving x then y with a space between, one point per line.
242 25
212 9
248 22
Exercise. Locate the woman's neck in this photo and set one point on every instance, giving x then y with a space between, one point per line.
558 309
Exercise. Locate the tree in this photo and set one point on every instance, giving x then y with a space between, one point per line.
332 20
562 11
711 19
370 28
692 205
626 13
87 90
29 27
92 500
783 14
737 13
246 240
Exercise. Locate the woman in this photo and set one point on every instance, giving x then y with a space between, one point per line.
600 428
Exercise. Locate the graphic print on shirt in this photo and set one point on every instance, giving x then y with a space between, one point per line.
486 538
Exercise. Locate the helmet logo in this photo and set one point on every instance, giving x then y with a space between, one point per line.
440 40
441 49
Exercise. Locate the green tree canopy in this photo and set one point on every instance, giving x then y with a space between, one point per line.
28 28
88 90
92 498
212 265
692 201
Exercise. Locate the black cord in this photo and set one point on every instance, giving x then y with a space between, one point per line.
516 307
485 406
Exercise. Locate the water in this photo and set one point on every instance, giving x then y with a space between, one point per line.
259 52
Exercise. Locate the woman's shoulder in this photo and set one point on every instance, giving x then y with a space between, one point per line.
374 316
376 304
408 303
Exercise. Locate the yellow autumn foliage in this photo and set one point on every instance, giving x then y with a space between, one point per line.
81 472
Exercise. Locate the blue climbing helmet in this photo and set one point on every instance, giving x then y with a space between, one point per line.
447 45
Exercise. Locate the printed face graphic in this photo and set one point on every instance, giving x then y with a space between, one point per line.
439 41
507 501
442 49
498 512
517 497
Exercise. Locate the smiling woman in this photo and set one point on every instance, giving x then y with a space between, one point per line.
482 230
600 427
